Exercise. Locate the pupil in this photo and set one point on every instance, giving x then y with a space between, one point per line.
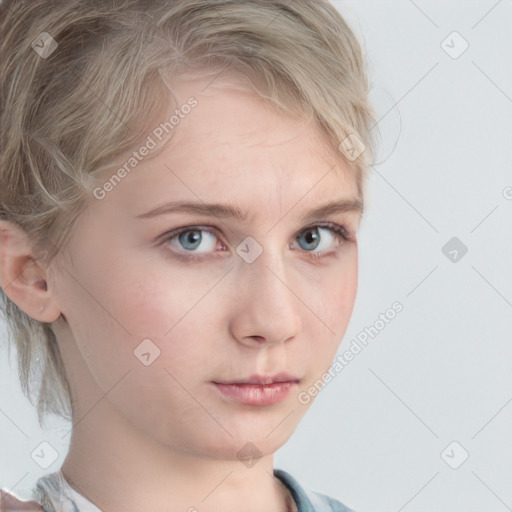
190 238
311 236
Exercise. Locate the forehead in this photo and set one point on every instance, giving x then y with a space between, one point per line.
230 112
235 145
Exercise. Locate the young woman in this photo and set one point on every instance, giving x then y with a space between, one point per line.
181 187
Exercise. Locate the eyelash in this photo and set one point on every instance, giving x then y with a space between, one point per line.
340 232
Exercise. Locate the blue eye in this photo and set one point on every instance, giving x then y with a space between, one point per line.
315 236
191 238
198 241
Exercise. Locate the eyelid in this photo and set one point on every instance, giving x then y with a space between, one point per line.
333 226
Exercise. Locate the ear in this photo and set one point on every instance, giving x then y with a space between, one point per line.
22 277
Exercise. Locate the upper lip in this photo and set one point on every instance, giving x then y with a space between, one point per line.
262 379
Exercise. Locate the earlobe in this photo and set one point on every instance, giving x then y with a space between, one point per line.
23 277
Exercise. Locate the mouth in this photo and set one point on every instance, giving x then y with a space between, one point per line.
258 390
263 380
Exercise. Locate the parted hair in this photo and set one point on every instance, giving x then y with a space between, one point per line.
66 114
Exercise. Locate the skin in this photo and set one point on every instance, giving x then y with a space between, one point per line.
161 437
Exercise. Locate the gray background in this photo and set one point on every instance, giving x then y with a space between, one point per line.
440 371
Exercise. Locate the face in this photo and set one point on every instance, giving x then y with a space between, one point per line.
161 305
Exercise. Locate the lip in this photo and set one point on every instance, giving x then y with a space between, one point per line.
258 390
264 380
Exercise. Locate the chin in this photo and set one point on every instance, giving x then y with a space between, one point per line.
246 447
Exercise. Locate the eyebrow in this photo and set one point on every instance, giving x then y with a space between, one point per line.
231 211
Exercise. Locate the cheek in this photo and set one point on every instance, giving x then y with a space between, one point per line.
144 298
335 304
161 307
168 309
336 295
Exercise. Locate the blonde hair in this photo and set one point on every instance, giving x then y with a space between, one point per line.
67 113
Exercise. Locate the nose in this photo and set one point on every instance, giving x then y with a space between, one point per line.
266 306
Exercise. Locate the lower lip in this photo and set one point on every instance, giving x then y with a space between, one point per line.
256 394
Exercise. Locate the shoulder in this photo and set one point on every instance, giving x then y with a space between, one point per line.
308 500
9 503
324 503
